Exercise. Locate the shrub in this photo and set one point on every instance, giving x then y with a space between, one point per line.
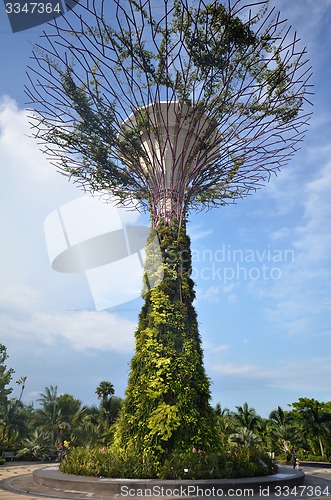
310 457
193 464
102 462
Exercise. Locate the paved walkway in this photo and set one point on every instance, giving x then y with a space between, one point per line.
18 474
18 469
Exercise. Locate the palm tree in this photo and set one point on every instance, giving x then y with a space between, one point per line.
49 416
315 419
245 437
13 423
225 425
282 430
104 390
21 382
262 430
50 396
71 412
246 417
110 405
87 434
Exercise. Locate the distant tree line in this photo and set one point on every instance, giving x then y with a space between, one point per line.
34 433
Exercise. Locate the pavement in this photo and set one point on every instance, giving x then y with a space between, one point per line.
16 483
12 471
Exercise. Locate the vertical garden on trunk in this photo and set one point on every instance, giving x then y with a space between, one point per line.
167 400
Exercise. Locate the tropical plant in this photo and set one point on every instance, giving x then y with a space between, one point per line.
225 425
71 412
105 390
5 378
14 423
246 438
110 405
247 417
38 446
49 417
21 382
283 431
88 434
315 419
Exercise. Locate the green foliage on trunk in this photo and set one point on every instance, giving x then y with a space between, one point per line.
167 400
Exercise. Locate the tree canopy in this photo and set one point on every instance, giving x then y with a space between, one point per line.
232 76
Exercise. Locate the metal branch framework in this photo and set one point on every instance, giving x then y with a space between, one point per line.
175 105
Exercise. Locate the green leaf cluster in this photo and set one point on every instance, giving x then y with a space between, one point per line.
242 77
193 464
167 400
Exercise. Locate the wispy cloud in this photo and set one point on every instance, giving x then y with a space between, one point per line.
303 292
213 347
199 233
16 143
216 293
233 369
299 375
21 319
30 292
310 20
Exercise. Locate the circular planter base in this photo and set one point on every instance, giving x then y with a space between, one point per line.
51 477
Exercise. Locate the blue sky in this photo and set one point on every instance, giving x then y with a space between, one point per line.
262 266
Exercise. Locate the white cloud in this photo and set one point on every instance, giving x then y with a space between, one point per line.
313 236
199 233
32 295
298 375
23 320
212 294
212 347
304 288
233 369
19 152
298 207
18 300
29 190
310 20
312 374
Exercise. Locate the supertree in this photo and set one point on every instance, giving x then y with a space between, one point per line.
178 105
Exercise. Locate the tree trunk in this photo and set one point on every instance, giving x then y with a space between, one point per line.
321 445
167 400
